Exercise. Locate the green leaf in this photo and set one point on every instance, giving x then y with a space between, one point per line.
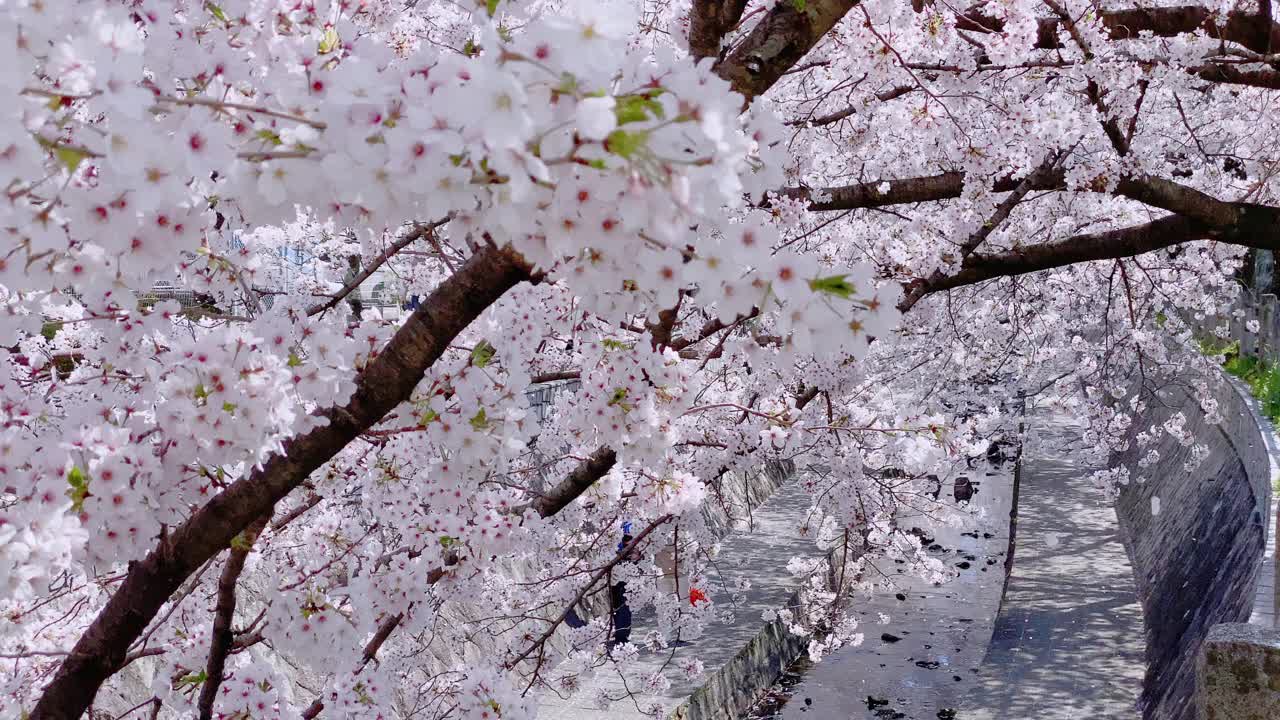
217 12
482 354
193 679
201 392
799 4
269 136
637 108
492 6
837 285
568 84
480 420
611 344
241 542
50 329
446 541
229 407
69 157
428 417
329 41
79 490
625 144
598 164
619 398
294 360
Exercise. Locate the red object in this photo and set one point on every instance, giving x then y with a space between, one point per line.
696 595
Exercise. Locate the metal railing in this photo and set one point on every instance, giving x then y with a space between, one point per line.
542 397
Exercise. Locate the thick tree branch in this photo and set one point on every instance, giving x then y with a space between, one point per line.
785 35
927 188
555 376
596 466
1255 226
1153 191
709 22
1125 242
385 382
1231 74
1250 30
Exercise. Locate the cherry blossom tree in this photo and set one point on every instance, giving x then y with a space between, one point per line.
848 237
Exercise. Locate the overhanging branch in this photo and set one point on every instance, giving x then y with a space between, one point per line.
386 381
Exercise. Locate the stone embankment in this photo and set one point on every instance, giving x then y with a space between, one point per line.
1198 559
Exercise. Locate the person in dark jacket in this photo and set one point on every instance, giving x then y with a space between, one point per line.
618 600
619 610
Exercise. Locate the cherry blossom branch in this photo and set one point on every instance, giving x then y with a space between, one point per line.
1047 170
880 193
328 564
711 328
594 467
1124 242
223 104
385 382
837 116
1150 190
223 614
311 501
555 376
418 233
1251 30
623 554
1110 125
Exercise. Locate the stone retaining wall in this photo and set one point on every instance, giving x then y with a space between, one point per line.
1196 562
729 692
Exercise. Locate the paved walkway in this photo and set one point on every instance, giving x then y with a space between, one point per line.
760 555
942 631
1267 598
1068 642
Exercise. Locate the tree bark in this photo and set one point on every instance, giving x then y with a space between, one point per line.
778 42
1248 29
223 615
1257 227
709 22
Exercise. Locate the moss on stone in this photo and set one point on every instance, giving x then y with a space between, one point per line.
1246 675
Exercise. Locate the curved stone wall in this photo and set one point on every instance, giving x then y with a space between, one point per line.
1196 562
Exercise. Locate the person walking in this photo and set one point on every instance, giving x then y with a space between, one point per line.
618 599
353 297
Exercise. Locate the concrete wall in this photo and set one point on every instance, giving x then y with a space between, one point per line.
1195 563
